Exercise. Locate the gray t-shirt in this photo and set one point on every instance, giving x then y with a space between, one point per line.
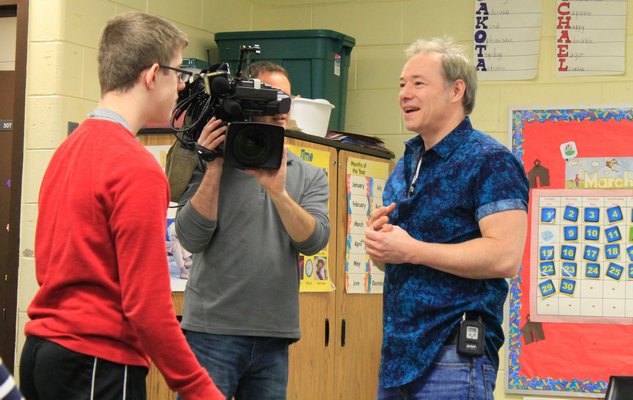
244 279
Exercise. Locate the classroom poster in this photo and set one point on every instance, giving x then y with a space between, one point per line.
365 183
570 311
314 271
590 37
507 38
178 258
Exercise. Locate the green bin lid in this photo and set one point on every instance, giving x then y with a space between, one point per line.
287 34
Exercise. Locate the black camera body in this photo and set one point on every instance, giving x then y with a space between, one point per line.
216 93
239 100
253 145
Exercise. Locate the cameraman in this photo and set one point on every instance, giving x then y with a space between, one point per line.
246 229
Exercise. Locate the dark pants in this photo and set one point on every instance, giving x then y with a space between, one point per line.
49 371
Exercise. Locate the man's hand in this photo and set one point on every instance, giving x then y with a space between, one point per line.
273 181
298 222
384 242
205 200
379 221
380 218
212 135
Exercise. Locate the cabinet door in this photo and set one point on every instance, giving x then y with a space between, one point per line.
311 359
157 388
358 316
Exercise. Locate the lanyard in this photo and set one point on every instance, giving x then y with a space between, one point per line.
415 177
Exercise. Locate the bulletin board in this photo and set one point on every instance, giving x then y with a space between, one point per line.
570 309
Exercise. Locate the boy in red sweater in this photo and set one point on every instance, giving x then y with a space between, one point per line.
104 307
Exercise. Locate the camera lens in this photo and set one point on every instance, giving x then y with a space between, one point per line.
252 147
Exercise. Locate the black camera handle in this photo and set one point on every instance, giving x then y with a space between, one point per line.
245 49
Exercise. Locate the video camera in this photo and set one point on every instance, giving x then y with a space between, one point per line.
234 100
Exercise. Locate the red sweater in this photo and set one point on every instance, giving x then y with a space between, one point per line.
101 260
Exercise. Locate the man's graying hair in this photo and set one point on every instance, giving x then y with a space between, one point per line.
258 67
131 42
455 65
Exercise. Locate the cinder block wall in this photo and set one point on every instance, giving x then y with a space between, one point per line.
383 29
62 80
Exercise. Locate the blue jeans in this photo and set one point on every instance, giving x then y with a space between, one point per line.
451 376
247 367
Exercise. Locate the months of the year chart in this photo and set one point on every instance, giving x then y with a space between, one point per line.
581 256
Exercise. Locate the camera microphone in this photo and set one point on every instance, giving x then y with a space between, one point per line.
216 83
232 108
220 85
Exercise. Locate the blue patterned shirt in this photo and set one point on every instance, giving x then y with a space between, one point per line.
465 177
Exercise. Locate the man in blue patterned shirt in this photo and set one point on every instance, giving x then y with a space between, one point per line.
453 230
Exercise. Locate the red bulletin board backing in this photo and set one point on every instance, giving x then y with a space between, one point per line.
572 358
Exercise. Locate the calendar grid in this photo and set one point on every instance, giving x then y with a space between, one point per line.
582 256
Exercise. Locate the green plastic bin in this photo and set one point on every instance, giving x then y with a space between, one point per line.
317 61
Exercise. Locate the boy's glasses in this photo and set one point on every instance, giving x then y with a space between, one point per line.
183 76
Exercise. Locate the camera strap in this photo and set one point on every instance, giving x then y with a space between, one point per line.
206 154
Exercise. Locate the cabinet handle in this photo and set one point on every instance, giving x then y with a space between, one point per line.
342 333
327 332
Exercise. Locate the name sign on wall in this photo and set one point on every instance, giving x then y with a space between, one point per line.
507 38
590 37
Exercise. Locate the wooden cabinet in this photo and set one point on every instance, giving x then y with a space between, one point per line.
358 316
311 368
338 355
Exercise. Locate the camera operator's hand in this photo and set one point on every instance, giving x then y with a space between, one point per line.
205 200
273 181
298 222
212 135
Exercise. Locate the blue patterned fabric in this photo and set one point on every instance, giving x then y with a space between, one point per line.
465 177
8 390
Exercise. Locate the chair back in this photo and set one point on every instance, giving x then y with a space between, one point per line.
620 388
